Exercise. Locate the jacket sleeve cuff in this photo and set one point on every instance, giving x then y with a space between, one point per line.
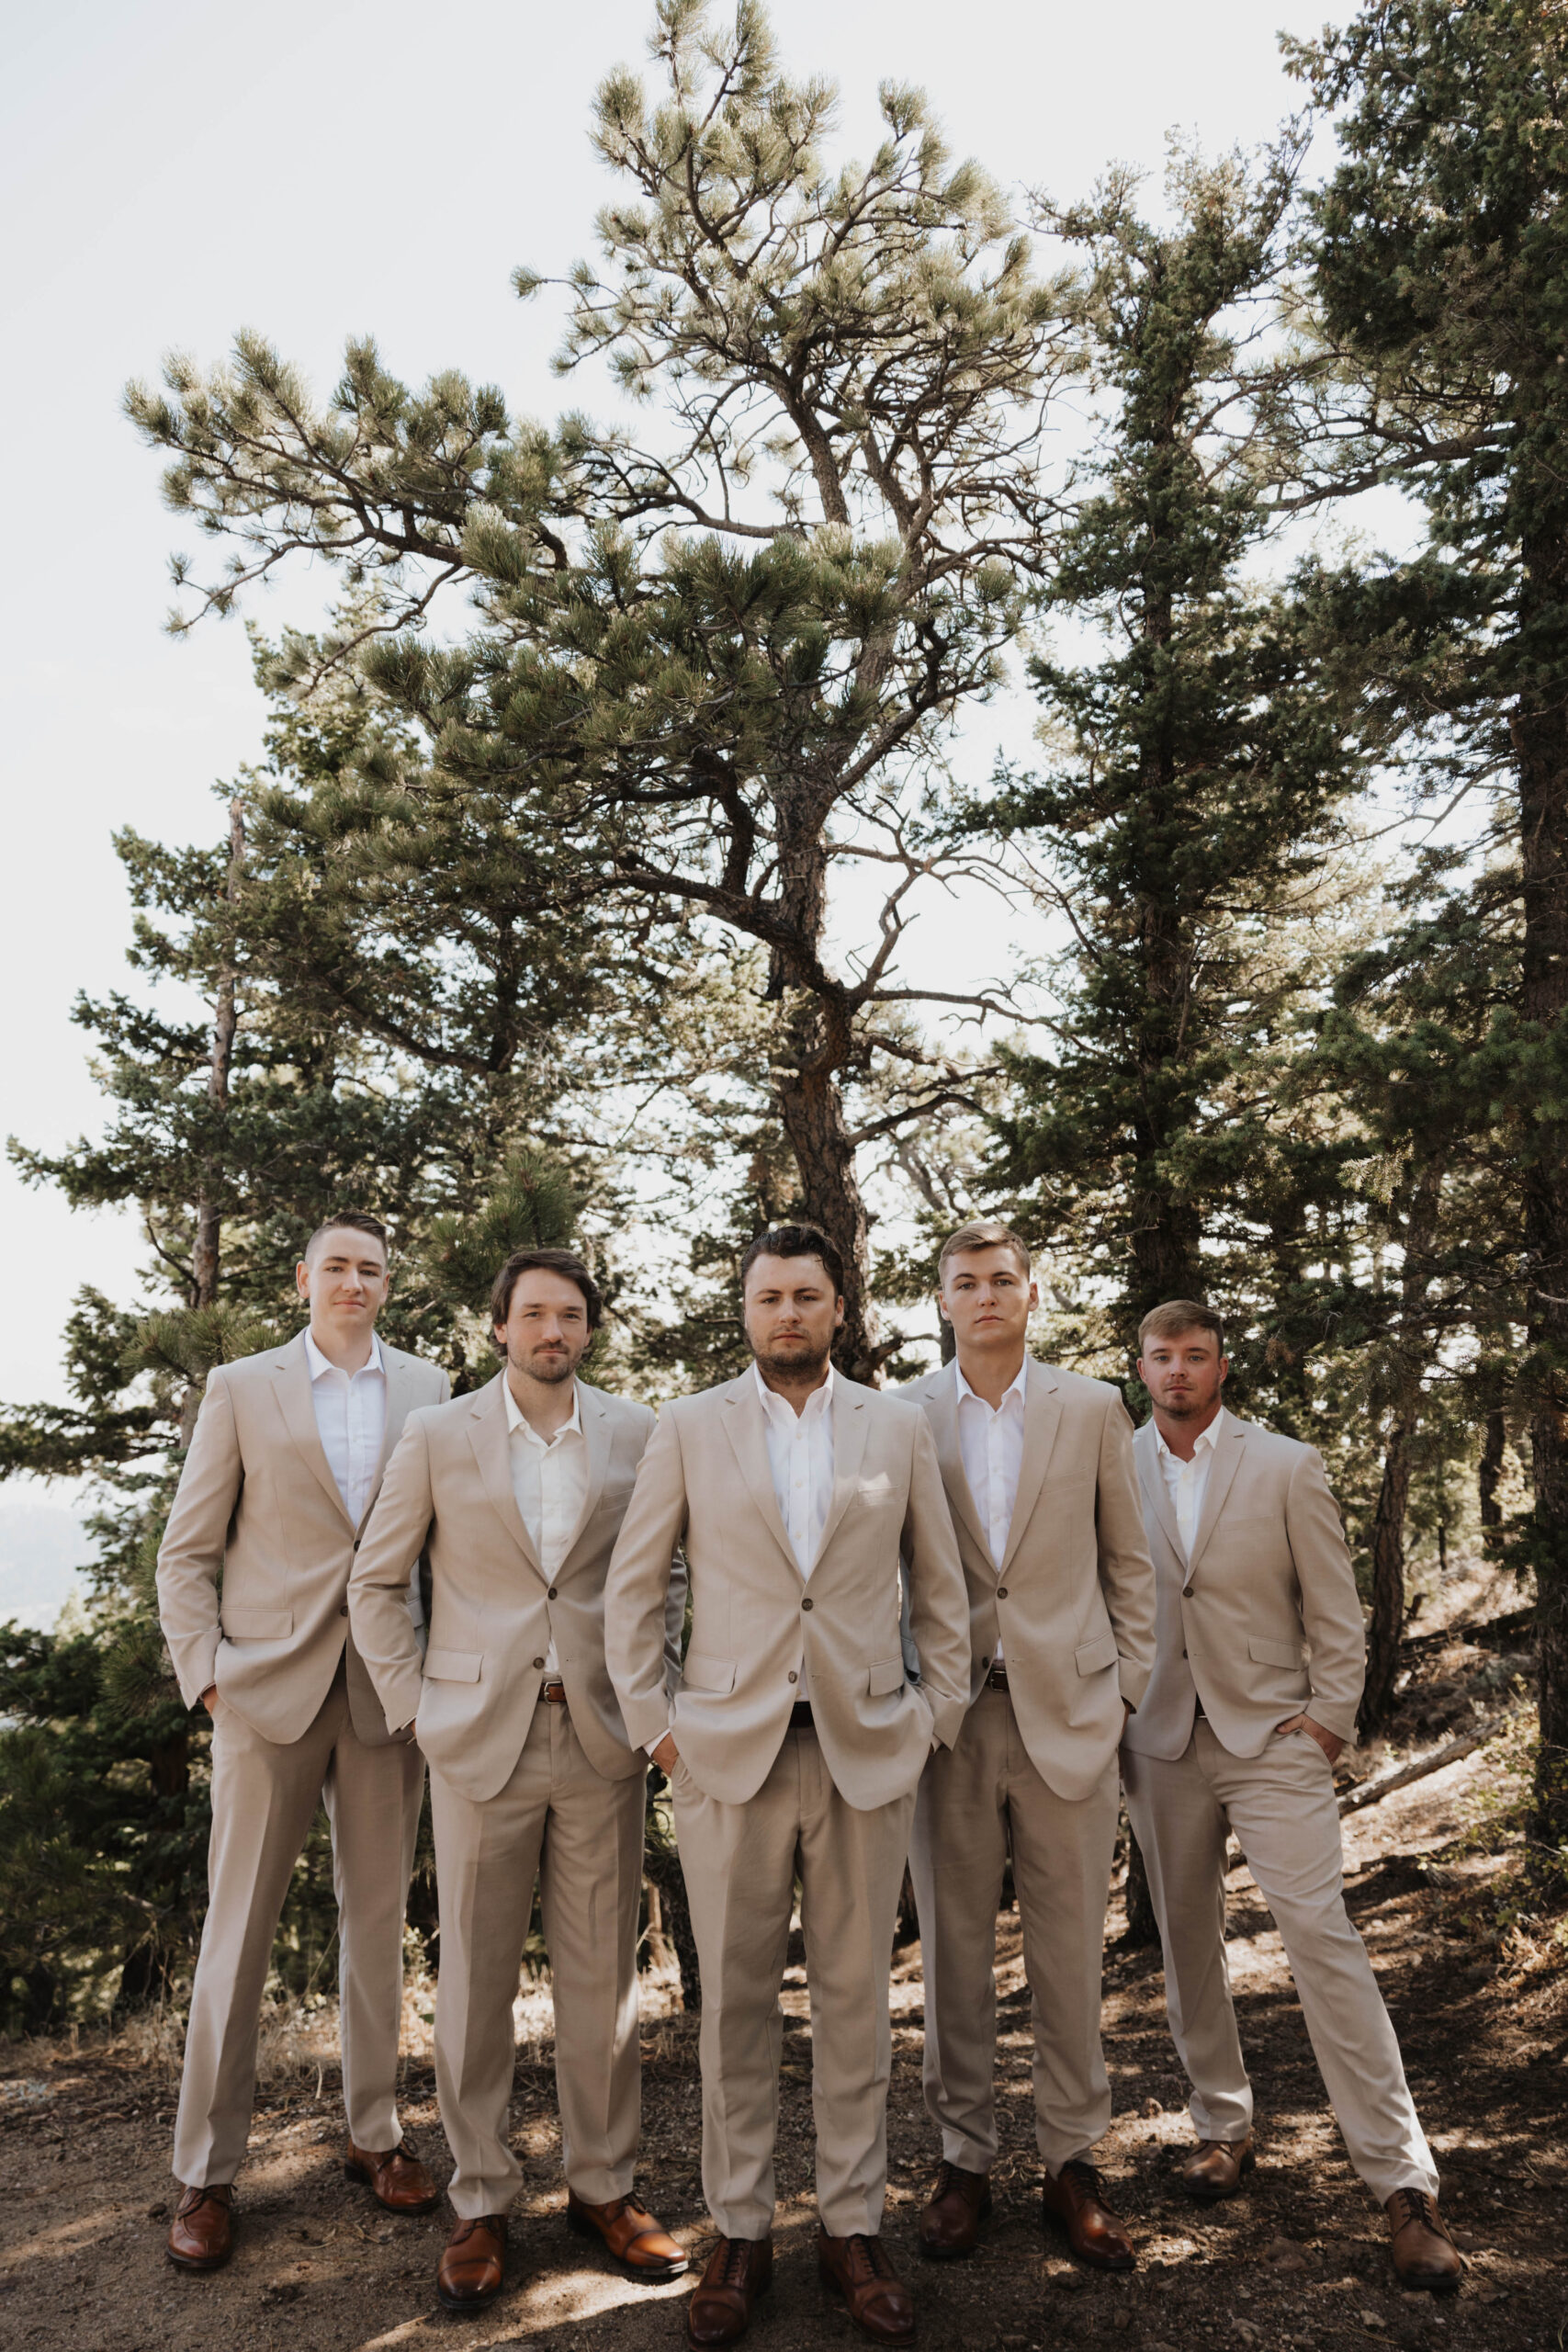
400 1694
647 1720
1134 1681
947 1714
198 1676
1340 1721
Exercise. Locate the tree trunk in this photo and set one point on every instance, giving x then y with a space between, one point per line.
1489 1475
811 1104
1143 1927
1540 738
1388 1582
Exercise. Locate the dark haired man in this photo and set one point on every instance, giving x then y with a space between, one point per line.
1038 1467
517 1495
793 1747
283 1467
1257 1675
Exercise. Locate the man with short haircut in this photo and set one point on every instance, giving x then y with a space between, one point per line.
793 1747
1038 1467
1258 1665
517 1495
283 1467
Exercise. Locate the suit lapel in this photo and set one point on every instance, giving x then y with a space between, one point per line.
1156 1494
491 1439
399 1371
942 1411
851 1427
595 1415
744 1428
1041 1416
291 1378
1221 1470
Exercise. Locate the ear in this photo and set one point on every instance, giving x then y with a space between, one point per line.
1225 1367
1034 1296
302 1279
837 1315
943 1314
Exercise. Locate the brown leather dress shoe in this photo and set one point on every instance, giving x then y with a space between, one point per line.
201 2235
879 2303
738 2270
472 2269
954 2211
1216 2167
1095 2235
631 2234
1423 2253
397 2180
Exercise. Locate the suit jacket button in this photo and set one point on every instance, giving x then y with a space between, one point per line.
538 1661
1185 1592
344 1611
1001 1592
551 1594
795 1678
805 1604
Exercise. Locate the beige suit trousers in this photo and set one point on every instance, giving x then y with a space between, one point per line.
581 1834
1282 1808
741 1863
264 1797
975 1801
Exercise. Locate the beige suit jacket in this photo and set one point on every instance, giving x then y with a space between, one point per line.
706 1484
492 1614
258 1502
1074 1599
1263 1622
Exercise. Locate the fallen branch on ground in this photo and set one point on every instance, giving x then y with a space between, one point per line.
1385 1783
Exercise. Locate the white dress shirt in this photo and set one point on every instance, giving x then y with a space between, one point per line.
990 1440
1186 1482
550 1481
350 1418
800 1455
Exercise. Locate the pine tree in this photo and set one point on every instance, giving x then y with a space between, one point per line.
1442 278
711 670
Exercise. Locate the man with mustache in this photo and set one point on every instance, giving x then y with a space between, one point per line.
794 1747
1257 1675
518 1493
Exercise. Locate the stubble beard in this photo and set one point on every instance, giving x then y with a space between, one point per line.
793 1367
550 1371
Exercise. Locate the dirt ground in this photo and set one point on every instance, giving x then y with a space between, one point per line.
1481 2006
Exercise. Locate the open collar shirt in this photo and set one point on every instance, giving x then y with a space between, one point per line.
1187 1482
549 1482
351 1421
990 1442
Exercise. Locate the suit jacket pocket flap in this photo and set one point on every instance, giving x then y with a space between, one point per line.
453 1665
257 1624
1089 1657
708 1673
1286 1654
886 1675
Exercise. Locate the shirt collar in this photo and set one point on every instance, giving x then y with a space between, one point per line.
518 1420
320 1363
817 1408
1205 1440
1015 1386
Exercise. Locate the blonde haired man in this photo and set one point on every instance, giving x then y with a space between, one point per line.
1257 1675
1038 1468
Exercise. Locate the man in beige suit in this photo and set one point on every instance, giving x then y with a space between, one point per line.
283 1467
1258 1665
793 1747
518 1495
1038 1467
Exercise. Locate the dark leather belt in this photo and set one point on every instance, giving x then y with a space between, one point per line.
800 1716
554 1691
997 1680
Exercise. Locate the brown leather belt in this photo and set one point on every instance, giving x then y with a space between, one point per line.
554 1691
997 1680
800 1718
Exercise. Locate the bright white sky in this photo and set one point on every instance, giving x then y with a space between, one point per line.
173 172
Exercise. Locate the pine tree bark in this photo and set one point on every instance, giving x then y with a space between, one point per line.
1540 738
1143 1927
1489 1475
1388 1582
